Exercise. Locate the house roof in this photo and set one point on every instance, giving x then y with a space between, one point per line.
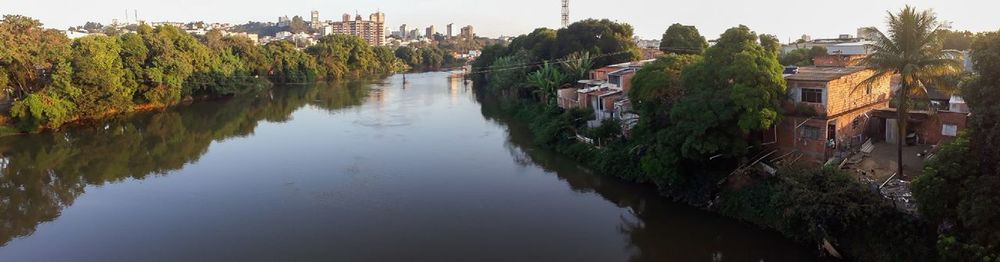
816 73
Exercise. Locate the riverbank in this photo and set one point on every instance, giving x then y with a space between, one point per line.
806 204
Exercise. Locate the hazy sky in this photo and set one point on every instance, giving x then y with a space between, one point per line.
784 18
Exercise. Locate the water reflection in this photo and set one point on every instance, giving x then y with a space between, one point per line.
42 174
655 229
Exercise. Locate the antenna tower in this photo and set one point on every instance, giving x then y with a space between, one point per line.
565 13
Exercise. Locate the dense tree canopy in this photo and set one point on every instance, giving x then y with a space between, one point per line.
657 87
683 39
802 56
608 41
958 187
55 80
734 91
98 73
27 52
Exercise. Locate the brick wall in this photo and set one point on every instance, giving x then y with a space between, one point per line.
930 130
845 94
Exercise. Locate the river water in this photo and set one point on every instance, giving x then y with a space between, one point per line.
352 171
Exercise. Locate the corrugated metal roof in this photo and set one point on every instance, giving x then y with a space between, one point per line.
815 73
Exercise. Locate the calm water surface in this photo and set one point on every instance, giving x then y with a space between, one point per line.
359 171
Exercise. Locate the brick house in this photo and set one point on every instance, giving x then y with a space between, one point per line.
827 111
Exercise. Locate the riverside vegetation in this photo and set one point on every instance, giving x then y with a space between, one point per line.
700 112
54 80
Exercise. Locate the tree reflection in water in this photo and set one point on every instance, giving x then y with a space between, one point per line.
655 228
42 174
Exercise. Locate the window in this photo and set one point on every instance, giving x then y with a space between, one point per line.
810 95
949 130
810 132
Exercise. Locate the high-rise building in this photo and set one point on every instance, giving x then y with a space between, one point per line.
430 32
402 31
467 32
449 30
372 30
284 21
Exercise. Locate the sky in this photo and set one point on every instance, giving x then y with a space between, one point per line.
786 19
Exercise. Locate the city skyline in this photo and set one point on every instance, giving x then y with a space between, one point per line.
787 20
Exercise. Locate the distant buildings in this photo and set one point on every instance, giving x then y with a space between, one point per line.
283 21
314 21
468 32
371 30
430 32
843 44
402 32
449 30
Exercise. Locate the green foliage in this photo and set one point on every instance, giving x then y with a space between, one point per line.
599 37
54 80
734 91
38 109
98 72
956 40
655 89
683 39
958 188
810 204
509 73
541 44
547 79
802 56
911 51
577 65
27 50
982 96
290 65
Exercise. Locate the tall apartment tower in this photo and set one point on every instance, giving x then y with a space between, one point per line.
372 31
430 32
467 32
449 30
402 31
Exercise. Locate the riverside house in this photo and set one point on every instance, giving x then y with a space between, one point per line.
829 114
606 93
827 111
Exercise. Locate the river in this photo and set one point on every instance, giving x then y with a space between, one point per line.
347 171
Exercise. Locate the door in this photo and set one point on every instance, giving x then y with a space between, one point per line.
891 131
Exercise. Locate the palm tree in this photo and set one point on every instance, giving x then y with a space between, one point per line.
912 51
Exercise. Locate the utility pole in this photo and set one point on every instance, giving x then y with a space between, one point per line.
565 13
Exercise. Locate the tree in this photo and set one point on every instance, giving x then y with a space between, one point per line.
608 41
735 90
547 79
683 39
982 96
507 74
410 56
289 64
28 53
577 65
98 72
956 40
297 25
802 56
657 87
541 43
912 50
